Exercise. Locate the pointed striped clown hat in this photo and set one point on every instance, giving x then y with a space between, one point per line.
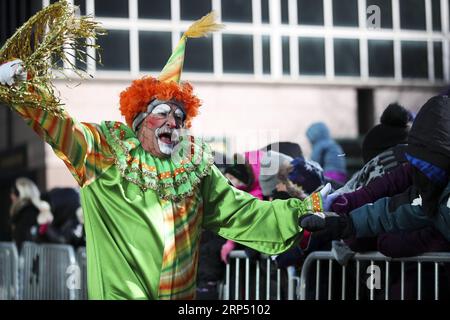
167 87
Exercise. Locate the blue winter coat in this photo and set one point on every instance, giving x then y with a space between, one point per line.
401 212
325 150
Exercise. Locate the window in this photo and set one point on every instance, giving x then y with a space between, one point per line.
414 59
265 11
82 5
381 58
345 13
286 55
199 55
284 11
310 12
149 58
81 61
266 54
115 50
188 11
385 12
237 52
311 53
436 13
412 14
154 9
438 70
346 57
237 10
111 8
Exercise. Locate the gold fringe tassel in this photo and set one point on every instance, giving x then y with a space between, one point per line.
44 43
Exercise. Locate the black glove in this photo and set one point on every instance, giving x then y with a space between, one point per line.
331 225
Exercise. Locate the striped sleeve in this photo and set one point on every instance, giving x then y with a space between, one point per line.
81 146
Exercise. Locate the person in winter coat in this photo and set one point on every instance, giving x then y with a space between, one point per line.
395 122
426 203
383 147
30 216
327 152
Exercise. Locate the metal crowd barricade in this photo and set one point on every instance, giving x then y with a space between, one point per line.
49 272
81 259
257 279
312 284
9 271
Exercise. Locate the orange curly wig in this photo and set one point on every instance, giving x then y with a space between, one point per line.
136 97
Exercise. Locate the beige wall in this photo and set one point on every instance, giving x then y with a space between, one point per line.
251 115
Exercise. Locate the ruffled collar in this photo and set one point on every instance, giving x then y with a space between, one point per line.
173 178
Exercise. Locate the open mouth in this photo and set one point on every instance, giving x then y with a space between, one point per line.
165 137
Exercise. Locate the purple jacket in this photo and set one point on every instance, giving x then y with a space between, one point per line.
399 244
391 183
412 243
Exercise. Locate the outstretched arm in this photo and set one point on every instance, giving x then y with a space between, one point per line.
81 146
269 227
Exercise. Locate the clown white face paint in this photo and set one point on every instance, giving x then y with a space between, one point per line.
159 132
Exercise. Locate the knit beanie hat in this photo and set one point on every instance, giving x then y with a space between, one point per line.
288 148
270 165
243 172
429 137
307 174
392 130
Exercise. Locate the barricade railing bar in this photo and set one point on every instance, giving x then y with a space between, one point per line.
311 286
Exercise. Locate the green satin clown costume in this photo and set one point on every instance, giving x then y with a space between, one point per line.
143 215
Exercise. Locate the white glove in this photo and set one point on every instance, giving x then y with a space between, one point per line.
12 71
327 198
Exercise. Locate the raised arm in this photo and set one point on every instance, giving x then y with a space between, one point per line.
80 145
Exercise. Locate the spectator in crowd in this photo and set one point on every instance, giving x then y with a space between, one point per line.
383 147
30 216
425 203
290 149
327 152
241 176
66 208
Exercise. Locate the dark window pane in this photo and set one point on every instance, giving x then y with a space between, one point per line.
81 59
436 12
188 11
284 11
345 13
115 50
111 8
438 70
82 5
154 9
381 58
311 53
237 53
266 54
265 11
412 14
310 12
199 55
414 59
346 57
385 12
286 56
237 10
149 58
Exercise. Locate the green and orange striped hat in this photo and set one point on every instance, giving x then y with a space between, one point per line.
167 87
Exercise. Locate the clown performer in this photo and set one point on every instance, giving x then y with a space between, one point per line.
144 209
